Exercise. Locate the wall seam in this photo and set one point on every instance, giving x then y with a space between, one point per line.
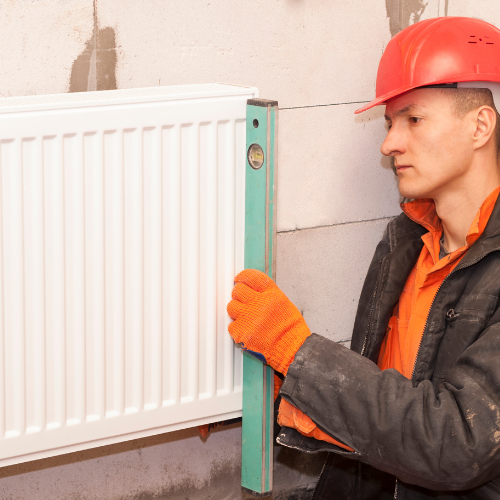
336 225
323 105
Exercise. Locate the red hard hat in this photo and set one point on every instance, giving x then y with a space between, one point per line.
443 50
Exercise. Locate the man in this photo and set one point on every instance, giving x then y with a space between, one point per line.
413 410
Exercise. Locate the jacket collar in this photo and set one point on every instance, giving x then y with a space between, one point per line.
484 230
488 241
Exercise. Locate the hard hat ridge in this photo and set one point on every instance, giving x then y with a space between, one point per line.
441 50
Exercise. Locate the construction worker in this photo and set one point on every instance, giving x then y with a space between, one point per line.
412 410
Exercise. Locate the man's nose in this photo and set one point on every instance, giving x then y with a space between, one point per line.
393 144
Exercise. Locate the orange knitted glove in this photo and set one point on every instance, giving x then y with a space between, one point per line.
265 321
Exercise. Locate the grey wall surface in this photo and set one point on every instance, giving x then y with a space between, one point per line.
319 59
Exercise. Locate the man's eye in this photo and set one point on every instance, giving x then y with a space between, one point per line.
414 119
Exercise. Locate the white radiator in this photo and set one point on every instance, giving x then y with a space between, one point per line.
121 229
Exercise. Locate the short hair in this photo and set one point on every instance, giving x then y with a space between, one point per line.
465 100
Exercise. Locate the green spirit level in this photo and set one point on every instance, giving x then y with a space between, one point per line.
260 253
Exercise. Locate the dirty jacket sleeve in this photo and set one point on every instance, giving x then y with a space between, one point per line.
447 439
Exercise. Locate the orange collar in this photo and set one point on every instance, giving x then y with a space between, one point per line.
424 213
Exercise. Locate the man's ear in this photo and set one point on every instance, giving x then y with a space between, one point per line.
486 120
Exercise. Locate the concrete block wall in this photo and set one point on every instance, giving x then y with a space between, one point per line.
336 193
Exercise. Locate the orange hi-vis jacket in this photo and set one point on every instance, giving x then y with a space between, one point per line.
404 333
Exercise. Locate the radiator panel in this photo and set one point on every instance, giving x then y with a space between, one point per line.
121 230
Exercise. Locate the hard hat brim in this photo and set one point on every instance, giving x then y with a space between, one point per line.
383 99
470 80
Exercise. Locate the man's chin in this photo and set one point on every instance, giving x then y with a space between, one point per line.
406 195
412 194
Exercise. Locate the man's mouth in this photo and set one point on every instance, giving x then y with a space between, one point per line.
401 168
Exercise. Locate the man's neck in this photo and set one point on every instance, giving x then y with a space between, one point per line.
458 208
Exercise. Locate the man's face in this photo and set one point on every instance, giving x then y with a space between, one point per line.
431 146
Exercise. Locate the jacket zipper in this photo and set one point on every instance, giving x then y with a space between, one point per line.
396 489
371 309
373 297
425 325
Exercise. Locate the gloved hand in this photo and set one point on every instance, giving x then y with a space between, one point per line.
265 321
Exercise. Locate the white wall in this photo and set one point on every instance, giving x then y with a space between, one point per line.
40 40
318 58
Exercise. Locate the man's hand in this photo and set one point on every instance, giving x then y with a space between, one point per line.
265 321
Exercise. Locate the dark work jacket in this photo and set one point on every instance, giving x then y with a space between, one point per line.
438 433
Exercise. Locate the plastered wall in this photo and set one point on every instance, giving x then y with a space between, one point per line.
318 58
